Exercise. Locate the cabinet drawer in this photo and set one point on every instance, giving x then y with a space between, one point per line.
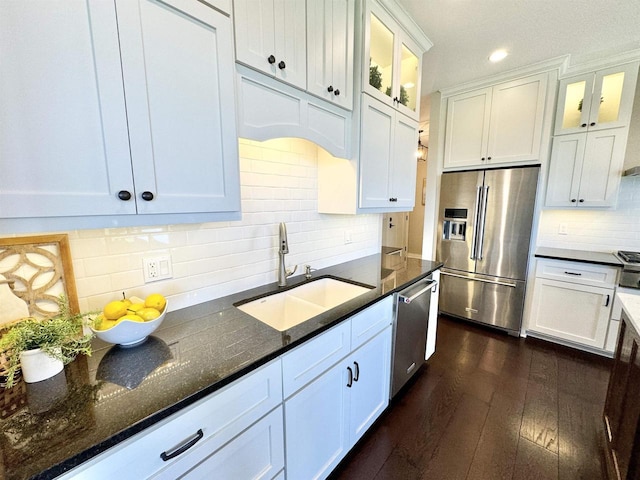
306 362
257 453
366 324
577 272
221 417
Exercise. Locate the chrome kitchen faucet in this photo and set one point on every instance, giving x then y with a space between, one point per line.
283 249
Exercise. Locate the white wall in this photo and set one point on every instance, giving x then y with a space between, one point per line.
596 230
211 260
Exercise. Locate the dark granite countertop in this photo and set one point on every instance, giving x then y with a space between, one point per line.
600 258
98 401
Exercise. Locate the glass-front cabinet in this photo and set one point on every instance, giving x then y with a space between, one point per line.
596 101
393 76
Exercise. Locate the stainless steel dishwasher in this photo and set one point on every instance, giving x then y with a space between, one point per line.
410 331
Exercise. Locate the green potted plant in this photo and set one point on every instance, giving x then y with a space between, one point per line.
41 347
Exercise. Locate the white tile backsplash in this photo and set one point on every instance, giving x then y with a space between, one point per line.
601 230
211 260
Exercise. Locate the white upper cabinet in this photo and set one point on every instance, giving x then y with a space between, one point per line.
387 157
68 145
64 147
392 73
271 37
330 37
585 169
595 101
179 86
496 125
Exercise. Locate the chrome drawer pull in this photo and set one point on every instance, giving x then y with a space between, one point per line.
503 284
179 450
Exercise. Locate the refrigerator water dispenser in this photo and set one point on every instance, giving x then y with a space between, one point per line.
455 224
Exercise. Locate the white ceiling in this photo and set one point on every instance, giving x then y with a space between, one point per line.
465 32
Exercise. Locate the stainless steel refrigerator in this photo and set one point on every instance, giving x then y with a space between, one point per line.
484 230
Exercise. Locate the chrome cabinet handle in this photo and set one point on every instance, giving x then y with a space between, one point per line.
410 299
480 245
502 284
183 448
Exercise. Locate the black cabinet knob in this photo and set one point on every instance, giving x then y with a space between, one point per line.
337 92
482 159
583 125
593 124
271 59
148 196
395 100
581 200
124 195
488 158
282 65
330 89
573 200
393 199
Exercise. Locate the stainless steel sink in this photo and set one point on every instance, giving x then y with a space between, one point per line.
287 309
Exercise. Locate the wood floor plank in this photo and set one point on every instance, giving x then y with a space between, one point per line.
495 454
453 456
581 452
535 463
540 416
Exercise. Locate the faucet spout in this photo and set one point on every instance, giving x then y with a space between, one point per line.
283 249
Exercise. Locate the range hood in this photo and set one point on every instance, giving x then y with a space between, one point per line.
632 172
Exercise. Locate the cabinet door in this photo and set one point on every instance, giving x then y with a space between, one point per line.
467 129
570 311
317 436
254 24
291 42
376 144
178 74
63 132
407 92
403 168
330 36
517 113
602 167
565 167
596 101
371 365
433 317
379 47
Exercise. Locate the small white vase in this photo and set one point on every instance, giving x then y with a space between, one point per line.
38 366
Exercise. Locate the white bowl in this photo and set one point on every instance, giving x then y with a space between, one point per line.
129 333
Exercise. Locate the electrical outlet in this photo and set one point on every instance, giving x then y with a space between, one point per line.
347 237
157 268
562 229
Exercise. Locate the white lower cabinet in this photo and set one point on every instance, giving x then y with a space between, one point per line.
327 417
227 431
334 386
572 302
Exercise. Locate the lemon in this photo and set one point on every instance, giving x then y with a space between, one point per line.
131 316
148 313
155 300
134 307
102 323
126 301
114 310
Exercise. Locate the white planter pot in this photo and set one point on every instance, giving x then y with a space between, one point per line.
38 366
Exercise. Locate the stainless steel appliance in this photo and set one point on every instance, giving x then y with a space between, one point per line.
630 277
484 230
410 331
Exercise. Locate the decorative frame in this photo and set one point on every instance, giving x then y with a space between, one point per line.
39 269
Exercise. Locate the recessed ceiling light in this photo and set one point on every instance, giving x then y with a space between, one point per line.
498 55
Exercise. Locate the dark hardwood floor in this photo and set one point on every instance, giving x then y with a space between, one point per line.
488 406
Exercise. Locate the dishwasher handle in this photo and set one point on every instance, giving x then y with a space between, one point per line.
410 299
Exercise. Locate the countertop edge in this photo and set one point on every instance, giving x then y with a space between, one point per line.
581 256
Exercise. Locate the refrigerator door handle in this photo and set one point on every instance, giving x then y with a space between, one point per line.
481 225
475 279
475 226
